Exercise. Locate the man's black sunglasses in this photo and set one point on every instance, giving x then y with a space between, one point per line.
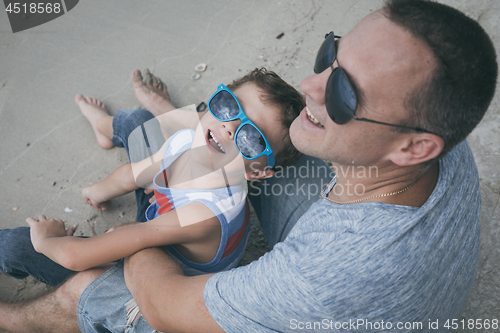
340 99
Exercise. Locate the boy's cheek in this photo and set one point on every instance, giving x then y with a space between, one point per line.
256 165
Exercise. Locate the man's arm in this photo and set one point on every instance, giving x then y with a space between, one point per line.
169 301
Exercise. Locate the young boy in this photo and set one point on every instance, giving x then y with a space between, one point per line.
200 210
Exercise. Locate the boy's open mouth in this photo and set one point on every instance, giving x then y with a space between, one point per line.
214 143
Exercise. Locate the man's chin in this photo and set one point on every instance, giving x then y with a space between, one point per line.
298 139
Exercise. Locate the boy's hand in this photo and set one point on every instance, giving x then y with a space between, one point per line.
147 191
42 229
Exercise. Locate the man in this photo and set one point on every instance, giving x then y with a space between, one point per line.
394 248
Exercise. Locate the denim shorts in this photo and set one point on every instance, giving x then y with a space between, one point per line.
102 305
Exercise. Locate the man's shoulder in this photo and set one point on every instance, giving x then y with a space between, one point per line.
458 179
459 162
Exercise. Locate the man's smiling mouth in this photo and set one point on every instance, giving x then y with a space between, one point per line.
313 118
214 143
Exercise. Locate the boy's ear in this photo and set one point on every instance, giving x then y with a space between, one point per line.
259 174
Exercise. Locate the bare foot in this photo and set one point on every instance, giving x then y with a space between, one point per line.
151 92
94 110
90 198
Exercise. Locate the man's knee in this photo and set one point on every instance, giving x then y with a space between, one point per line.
76 284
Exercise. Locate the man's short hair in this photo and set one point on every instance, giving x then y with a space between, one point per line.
457 95
278 93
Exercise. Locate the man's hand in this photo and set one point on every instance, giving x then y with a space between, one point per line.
43 229
178 306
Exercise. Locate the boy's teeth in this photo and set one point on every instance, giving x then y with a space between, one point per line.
217 142
213 137
313 119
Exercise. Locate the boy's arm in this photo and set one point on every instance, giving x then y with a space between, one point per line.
119 182
198 223
128 177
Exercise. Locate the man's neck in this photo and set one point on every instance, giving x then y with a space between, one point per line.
392 184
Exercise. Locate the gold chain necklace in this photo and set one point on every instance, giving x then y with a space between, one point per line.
370 197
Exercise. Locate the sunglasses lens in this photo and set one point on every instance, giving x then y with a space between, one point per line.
326 54
340 99
224 106
250 141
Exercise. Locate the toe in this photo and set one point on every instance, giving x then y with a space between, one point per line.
136 78
89 100
157 82
148 77
79 98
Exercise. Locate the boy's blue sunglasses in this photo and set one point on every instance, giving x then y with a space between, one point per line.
248 138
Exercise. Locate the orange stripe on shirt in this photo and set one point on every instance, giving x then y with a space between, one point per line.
235 239
164 203
162 200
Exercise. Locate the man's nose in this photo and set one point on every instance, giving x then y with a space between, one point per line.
315 85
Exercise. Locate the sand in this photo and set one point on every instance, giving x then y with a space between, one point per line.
49 152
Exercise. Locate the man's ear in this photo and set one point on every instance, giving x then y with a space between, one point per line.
417 149
259 174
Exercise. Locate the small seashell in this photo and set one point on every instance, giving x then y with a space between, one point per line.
15 208
195 76
200 67
68 210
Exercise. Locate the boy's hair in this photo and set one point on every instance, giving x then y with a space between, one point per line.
278 93
456 96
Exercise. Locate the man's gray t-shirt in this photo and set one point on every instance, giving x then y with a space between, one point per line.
371 264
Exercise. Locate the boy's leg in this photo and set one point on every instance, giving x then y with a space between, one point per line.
280 201
139 132
19 259
97 115
151 92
